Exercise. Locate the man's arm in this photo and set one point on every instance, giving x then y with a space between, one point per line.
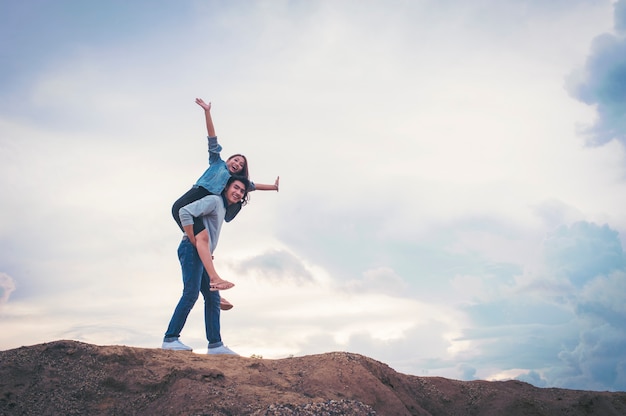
203 244
189 233
201 207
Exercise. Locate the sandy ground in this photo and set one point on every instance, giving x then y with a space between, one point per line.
74 378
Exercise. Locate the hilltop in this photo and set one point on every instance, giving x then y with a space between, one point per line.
75 378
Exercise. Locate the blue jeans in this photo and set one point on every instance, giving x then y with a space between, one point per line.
195 281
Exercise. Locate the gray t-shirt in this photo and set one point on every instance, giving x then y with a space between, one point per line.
211 210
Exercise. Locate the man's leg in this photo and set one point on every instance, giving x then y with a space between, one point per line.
212 319
211 311
192 275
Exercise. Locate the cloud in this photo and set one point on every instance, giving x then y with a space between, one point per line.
599 358
620 16
381 280
561 325
604 297
597 362
274 265
7 286
534 378
592 259
583 251
555 212
602 82
467 372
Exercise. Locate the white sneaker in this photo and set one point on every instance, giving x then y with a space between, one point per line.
221 350
175 345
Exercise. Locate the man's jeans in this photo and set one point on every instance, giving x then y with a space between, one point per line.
195 281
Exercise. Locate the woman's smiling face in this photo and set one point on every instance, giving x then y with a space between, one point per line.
236 164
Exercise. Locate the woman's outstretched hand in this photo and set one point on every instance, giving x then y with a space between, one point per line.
201 103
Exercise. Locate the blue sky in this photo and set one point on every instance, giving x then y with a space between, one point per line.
452 178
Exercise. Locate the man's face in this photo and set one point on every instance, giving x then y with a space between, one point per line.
235 192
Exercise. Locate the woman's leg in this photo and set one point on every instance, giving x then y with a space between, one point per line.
190 196
202 245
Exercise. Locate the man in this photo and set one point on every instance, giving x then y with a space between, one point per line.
195 256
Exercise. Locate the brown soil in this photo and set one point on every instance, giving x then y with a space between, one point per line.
74 378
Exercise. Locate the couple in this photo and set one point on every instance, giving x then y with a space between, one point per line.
216 197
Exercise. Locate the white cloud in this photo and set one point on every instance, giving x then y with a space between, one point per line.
7 286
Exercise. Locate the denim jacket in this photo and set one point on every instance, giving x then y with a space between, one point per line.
214 179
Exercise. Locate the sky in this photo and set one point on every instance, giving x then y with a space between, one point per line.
452 179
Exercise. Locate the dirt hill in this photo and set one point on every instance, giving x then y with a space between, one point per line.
74 378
